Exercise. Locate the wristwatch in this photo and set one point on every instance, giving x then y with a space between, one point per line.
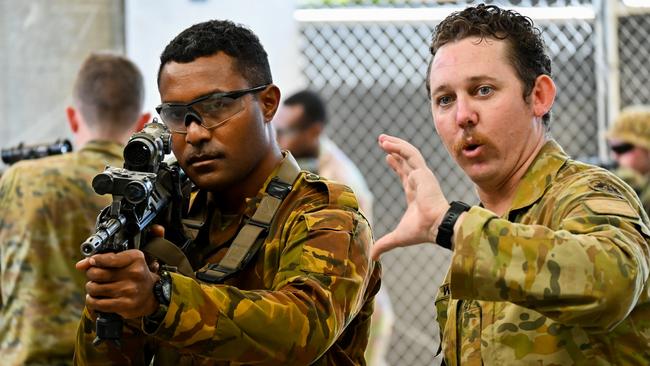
446 228
162 289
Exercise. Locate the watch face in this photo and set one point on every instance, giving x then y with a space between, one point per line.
167 290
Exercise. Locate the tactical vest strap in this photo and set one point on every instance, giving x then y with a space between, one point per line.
251 236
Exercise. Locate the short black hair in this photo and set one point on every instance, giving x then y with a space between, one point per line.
313 106
526 51
211 37
109 91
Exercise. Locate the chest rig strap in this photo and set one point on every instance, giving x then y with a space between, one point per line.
251 236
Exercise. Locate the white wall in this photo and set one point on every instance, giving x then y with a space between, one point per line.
151 24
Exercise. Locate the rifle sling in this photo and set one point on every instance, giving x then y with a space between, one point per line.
251 236
169 254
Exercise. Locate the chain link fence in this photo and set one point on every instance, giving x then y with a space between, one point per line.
633 55
373 76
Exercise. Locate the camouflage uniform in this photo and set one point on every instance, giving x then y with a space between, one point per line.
305 298
560 279
48 208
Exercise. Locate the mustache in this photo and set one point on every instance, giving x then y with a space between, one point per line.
469 139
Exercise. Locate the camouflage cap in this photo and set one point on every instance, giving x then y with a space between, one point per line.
632 126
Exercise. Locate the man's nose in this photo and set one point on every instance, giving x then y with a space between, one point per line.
196 133
465 112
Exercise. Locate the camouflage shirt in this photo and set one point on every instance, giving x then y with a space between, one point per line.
640 184
305 298
559 279
47 209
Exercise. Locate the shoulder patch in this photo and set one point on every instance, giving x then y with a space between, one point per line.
606 187
611 206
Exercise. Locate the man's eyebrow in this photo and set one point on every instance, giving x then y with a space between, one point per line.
471 80
480 78
199 97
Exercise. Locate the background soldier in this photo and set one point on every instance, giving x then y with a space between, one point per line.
300 126
629 140
49 208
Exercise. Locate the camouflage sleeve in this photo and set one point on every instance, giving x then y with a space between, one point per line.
589 271
7 180
134 350
323 271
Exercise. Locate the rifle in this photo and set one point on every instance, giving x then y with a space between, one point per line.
20 152
145 191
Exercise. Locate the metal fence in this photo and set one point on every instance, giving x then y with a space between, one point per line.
372 74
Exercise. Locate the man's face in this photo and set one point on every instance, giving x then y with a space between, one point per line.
215 159
479 110
292 135
632 157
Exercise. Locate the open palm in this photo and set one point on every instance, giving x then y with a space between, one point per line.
425 202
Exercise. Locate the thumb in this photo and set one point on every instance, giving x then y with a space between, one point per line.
157 231
384 244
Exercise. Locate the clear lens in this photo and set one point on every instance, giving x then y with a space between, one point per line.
212 111
215 110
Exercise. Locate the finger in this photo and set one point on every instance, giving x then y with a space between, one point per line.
102 275
384 137
117 260
107 290
83 265
412 155
154 266
105 305
395 163
157 231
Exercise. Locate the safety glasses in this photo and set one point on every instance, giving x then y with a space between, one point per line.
621 149
211 110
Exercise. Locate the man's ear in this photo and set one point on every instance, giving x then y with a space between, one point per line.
270 100
73 119
543 95
144 118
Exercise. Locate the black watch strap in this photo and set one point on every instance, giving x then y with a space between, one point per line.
446 228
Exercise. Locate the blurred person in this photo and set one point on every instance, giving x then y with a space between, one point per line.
305 297
300 126
629 141
49 208
551 268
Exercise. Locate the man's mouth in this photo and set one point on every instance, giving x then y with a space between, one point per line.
470 147
197 159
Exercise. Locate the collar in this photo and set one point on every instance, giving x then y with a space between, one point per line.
540 174
111 148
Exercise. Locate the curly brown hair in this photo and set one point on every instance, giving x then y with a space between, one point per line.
526 50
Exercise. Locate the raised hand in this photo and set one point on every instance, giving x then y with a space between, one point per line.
426 204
